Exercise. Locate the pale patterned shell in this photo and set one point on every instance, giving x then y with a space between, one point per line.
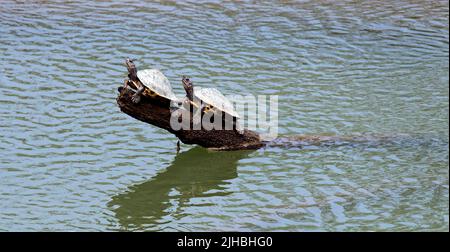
215 98
157 82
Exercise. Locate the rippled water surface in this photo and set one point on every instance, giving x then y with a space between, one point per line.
70 160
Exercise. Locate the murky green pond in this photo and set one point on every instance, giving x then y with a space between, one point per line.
70 160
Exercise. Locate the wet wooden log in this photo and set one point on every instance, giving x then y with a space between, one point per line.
158 113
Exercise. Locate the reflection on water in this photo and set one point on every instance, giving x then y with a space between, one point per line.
195 173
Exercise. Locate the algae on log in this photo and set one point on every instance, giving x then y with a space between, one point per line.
158 113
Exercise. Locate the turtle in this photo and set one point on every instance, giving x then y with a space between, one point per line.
213 100
150 82
156 84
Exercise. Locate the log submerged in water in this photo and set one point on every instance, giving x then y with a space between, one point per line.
158 113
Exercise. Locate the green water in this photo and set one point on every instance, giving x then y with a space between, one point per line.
70 160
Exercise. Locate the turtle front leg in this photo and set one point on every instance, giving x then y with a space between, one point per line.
125 85
136 98
132 74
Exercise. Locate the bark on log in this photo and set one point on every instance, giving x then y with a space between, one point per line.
157 112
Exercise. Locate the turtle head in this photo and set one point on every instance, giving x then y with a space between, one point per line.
132 71
188 87
128 61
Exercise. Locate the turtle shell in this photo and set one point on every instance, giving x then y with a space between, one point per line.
157 82
216 99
